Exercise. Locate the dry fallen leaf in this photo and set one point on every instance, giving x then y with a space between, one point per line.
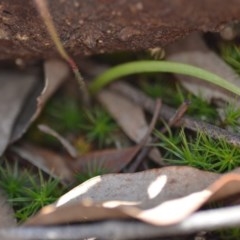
160 196
54 164
7 218
129 116
63 167
55 72
15 87
194 51
18 93
110 160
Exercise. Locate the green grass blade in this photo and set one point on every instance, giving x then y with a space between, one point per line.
160 66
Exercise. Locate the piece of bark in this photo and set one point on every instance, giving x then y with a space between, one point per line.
93 26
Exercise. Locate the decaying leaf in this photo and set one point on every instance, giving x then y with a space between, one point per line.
194 51
129 116
160 196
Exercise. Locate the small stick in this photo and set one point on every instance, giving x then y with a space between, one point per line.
47 19
167 112
208 220
144 152
178 115
172 121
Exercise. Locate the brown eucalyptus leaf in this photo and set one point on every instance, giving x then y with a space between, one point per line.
194 51
129 116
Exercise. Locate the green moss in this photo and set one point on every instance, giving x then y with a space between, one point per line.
27 191
99 127
232 116
201 152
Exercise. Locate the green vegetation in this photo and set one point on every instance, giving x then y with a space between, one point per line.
152 66
232 117
99 127
28 191
231 54
200 151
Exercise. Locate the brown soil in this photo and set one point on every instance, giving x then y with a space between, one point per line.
99 26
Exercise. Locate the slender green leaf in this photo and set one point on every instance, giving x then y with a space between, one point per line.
160 66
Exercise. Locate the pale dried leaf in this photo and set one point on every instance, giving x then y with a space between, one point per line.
194 51
129 116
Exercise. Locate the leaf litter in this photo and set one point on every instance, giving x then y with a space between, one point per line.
161 197
20 100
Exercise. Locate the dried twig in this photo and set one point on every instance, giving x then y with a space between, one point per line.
167 112
178 115
144 152
172 121
119 230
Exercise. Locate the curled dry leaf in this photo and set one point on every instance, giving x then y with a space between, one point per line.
129 116
160 196
194 51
